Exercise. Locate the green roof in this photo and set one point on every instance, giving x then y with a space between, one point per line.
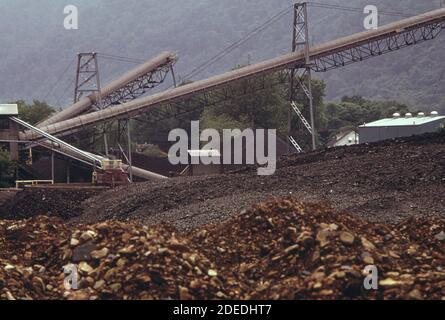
399 122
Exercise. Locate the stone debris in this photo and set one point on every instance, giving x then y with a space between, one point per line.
440 236
281 249
114 261
312 252
347 237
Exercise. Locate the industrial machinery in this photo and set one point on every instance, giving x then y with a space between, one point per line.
106 171
123 89
112 174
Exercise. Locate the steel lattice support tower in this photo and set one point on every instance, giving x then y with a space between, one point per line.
87 76
88 82
301 77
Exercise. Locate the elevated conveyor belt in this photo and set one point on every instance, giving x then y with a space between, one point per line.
162 61
395 35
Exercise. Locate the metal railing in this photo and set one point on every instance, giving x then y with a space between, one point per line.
32 182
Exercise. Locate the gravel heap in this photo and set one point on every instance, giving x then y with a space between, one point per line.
387 181
284 249
114 261
275 250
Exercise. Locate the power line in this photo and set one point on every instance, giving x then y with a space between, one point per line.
63 92
102 55
356 9
238 43
57 83
120 58
241 41
273 19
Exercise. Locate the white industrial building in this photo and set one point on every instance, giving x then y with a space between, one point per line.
401 126
346 137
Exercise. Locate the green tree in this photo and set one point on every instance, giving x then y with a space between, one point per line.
251 108
264 103
146 130
35 112
253 103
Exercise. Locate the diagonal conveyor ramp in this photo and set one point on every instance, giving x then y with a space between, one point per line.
68 150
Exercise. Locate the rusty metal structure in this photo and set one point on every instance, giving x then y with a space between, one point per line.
9 131
90 96
105 170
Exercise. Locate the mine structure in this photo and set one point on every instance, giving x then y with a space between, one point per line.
121 100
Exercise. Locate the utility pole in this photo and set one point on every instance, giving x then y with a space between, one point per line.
53 177
301 76
129 150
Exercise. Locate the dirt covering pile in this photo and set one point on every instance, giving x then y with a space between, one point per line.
281 249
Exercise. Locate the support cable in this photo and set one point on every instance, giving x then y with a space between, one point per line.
58 81
238 43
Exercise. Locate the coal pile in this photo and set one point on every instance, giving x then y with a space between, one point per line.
388 181
63 203
29 258
281 249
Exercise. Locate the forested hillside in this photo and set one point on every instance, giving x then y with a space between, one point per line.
36 49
